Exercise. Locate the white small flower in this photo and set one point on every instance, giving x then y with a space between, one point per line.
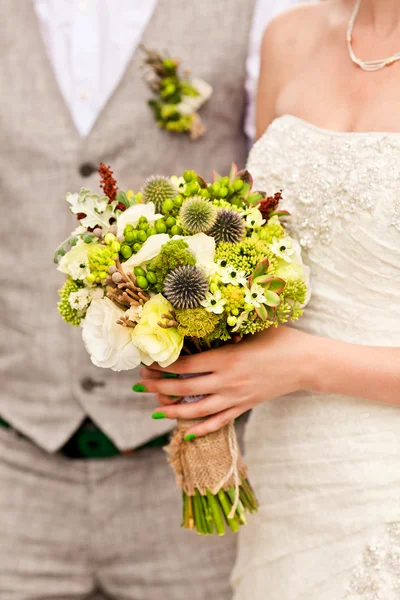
214 302
96 293
178 182
74 262
255 297
134 313
253 218
231 275
191 104
283 248
79 300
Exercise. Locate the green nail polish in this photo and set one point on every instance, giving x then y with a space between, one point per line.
158 415
173 397
139 387
170 375
189 436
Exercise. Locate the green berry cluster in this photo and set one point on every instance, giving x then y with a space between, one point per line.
145 279
134 237
69 314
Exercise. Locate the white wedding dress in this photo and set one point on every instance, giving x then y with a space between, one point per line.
326 468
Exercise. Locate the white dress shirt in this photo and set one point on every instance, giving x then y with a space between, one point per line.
90 43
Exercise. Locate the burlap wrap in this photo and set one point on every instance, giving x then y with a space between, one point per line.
211 462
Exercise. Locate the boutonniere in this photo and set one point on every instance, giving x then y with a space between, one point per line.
177 97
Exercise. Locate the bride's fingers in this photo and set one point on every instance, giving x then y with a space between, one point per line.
167 400
146 373
210 405
216 422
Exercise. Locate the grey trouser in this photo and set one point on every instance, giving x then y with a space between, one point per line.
69 528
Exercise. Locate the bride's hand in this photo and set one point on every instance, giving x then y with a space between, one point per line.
238 377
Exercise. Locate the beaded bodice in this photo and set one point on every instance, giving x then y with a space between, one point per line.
343 193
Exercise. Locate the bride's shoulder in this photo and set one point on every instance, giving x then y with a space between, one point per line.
295 32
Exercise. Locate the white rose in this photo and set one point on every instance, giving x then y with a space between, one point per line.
109 344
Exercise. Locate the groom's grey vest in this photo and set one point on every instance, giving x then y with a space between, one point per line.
48 384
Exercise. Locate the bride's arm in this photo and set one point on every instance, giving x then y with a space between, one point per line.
271 364
366 372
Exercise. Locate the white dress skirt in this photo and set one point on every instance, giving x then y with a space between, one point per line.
326 468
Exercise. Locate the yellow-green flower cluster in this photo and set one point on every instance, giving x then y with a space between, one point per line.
197 322
69 314
254 325
234 296
100 259
245 255
272 229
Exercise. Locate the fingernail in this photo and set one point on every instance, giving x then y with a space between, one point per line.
173 397
139 387
189 436
170 375
158 415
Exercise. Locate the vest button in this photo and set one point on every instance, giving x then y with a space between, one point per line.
88 384
87 169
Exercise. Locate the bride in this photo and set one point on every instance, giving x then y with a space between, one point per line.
325 462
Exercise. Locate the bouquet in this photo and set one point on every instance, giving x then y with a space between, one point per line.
178 268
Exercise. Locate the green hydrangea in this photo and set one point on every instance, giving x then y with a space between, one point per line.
234 296
220 333
197 322
173 254
272 229
253 325
295 290
246 255
69 314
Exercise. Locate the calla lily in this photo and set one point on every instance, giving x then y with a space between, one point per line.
132 215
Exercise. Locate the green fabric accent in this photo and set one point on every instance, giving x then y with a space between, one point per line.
91 442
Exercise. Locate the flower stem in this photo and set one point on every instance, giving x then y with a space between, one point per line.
199 518
216 513
207 514
226 509
189 520
240 510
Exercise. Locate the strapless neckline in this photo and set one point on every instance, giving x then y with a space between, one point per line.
333 132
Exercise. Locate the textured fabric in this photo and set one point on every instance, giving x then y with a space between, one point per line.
90 44
44 367
68 527
326 468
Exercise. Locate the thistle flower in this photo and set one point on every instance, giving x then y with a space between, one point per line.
197 215
185 287
228 227
173 254
157 189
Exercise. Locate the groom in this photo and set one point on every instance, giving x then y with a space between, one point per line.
87 500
